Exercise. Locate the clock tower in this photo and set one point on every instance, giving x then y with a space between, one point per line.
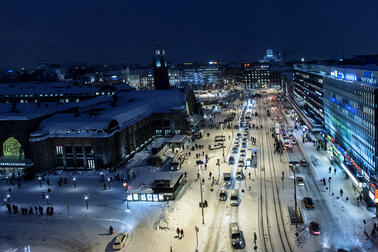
161 79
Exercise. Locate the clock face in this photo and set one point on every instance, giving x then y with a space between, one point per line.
157 52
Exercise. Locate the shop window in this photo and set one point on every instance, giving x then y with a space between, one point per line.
159 132
177 132
167 132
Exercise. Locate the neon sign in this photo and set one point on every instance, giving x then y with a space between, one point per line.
340 75
368 77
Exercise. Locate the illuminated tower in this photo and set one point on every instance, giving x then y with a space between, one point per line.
161 79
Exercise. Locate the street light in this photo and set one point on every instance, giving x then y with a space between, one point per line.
40 182
74 181
86 201
8 198
109 182
7 180
47 199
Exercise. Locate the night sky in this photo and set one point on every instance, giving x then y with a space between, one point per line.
122 31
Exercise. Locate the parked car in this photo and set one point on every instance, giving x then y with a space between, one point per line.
314 228
223 195
235 150
242 152
300 181
120 241
307 201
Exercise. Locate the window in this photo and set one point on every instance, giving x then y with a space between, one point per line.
79 150
91 163
68 149
59 150
159 132
177 132
88 150
167 132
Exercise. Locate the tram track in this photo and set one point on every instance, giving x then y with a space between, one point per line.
264 223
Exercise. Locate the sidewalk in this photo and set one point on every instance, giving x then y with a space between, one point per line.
349 214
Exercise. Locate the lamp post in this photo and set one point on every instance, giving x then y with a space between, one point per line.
8 198
7 180
109 182
74 181
40 182
86 201
47 199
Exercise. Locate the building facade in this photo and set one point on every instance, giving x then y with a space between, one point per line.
160 67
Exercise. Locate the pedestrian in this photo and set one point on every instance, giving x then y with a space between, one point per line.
48 211
9 189
203 181
334 171
182 232
360 198
198 175
111 230
341 193
373 230
178 231
185 174
329 169
48 182
31 211
104 186
9 208
358 201
209 175
36 210
52 211
249 174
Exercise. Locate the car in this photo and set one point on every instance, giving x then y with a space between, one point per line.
120 241
307 201
314 228
237 238
231 160
300 181
244 145
235 150
293 141
223 195
241 163
242 152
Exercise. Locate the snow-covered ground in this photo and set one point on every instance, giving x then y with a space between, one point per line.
152 226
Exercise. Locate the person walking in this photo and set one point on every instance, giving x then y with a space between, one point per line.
209 175
341 193
178 231
329 169
334 170
182 232
111 231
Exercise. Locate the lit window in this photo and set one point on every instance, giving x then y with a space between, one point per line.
59 150
91 163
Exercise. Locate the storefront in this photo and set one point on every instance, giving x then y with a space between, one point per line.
15 168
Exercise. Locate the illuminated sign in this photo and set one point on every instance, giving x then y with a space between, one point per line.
129 197
156 197
161 197
143 197
213 63
376 196
340 75
135 196
346 106
368 77
149 196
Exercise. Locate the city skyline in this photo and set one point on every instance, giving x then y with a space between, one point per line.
125 32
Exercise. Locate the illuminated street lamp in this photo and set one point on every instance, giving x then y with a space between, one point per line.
74 181
7 180
109 182
8 198
47 199
86 201
40 182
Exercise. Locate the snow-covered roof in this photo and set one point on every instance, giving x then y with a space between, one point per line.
97 116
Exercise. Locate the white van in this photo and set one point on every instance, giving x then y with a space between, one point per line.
234 199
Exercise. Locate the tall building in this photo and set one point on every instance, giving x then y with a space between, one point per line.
338 100
160 66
